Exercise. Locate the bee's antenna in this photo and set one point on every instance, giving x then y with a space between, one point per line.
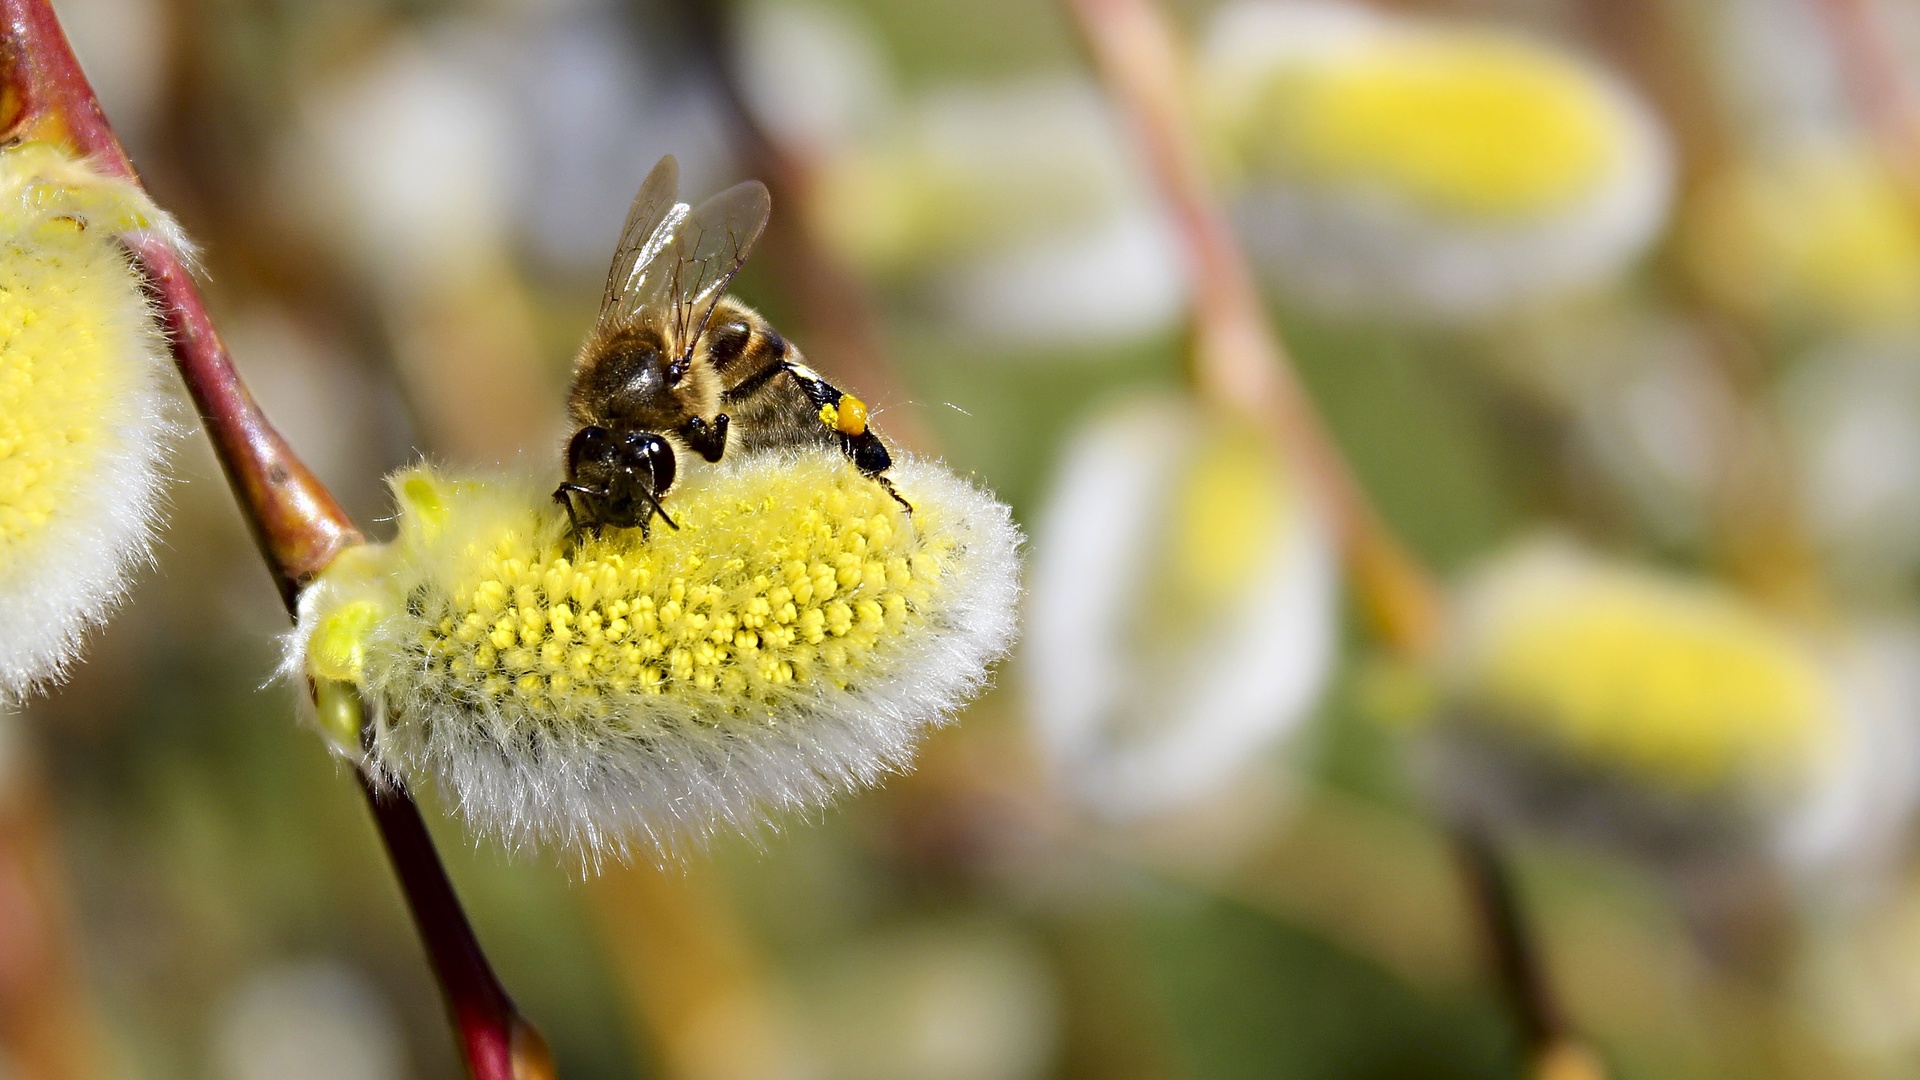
658 509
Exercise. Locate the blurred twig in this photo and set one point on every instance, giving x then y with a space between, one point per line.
693 974
1240 364
295 520
46 1019
1493 896
1885 100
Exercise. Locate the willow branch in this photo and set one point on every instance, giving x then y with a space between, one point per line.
296 522
496 1042
1239 361
1882 97
1241 364
1492 896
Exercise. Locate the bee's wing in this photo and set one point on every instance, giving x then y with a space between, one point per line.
652 223
711 244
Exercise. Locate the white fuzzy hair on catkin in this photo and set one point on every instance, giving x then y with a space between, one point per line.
659 770
80 494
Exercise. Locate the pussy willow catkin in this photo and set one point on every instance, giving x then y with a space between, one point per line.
83 432
1426 169
1669 683
792 639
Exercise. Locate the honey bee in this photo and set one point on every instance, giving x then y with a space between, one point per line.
675 366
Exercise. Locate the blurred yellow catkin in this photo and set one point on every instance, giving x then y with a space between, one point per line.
1620 669
1423 167
1184 608
1824 235
1476 125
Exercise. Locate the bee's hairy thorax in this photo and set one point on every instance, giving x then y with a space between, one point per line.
628 378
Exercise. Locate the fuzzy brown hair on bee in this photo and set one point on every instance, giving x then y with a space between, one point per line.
675 367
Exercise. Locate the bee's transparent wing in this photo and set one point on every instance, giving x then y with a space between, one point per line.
712 243
638 273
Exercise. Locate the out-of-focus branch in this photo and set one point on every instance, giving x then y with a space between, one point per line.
1240 363
47 1022
1510 940
295 520
693 974
1882 96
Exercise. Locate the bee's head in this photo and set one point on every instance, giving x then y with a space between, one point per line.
613 459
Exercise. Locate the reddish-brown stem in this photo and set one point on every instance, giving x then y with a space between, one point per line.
298 525
496 1041
1882 96
295 520
1241 364
1513 948
1239 361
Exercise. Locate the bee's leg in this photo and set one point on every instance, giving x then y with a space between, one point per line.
870 456
895 492
654 507
564 496
753 383
709 440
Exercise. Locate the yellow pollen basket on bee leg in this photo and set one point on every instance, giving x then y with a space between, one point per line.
83 432
848 416
792 639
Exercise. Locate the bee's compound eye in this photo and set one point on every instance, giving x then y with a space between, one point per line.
592 443
649 453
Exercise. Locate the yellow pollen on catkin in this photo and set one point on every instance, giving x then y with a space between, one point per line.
792 639
83 431
1662 679
1468 123
64 373
798 577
